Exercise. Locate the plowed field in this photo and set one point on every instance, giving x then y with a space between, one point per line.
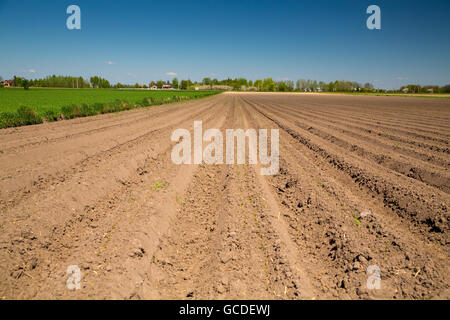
363 181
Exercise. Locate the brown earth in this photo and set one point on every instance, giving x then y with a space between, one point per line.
363 181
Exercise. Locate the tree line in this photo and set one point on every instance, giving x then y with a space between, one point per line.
266 84
237 84
416 88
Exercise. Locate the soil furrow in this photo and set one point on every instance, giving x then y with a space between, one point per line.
362 183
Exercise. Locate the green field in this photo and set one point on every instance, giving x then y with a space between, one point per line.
23 107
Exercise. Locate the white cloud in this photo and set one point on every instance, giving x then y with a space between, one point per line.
110 62
131 75
171 74
31 70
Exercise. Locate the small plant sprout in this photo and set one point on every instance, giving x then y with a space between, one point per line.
357 220
158 185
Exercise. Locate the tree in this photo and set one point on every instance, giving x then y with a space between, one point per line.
98 82
25 84
290 85
368 85
331 87
445 89
303 85
175 83
269 84
282 86
356 85
414 88
184 85
160 84
315 85
94 81
104 83
322 85
258 84
60 82
206 81
17 82
242 82
343 86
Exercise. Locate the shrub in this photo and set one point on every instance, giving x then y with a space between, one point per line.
157 101
7 119
51 115
71 111
98 107
106 109
23 116
87 110
27 116
147 102
126 105
113 107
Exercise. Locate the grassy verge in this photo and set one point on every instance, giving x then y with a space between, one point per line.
19 108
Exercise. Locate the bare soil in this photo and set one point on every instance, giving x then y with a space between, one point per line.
363 181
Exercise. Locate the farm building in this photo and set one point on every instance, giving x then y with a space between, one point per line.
204 87
221 87
6 83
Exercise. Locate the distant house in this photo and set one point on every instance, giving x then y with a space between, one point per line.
221 87
6 83
204 87
153 87
167 86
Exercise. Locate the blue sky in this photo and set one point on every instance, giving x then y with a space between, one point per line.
140 41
